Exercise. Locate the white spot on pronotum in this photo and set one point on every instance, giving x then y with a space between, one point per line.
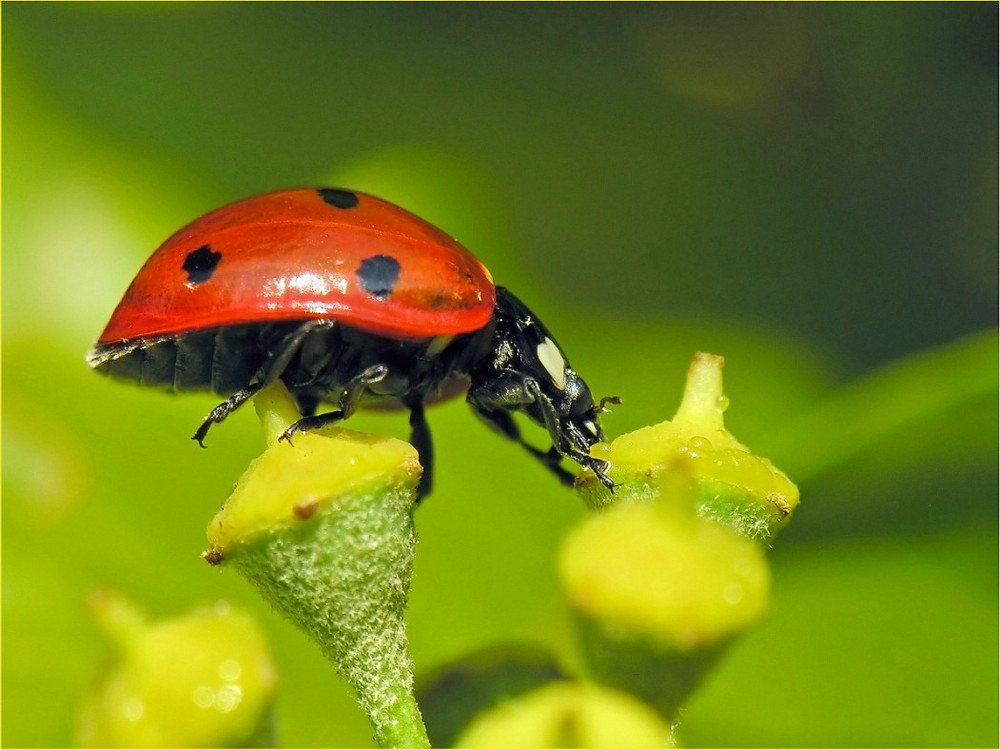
553 362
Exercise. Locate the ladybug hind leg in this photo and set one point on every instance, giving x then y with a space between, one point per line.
276 360
224 409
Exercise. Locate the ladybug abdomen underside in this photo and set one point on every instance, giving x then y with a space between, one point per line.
227 359
221 360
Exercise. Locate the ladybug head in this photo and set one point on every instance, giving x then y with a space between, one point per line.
525 370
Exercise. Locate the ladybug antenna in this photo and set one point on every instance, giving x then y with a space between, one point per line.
602 409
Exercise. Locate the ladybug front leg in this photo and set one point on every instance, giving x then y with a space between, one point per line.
494 401
562 444
502 421
348 402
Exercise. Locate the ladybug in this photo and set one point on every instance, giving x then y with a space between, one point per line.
348 300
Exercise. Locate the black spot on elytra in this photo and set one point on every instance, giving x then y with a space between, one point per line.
200 264
378 275
338 198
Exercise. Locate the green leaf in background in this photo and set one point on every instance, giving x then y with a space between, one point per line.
893 629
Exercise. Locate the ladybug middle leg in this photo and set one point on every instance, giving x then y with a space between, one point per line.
420 438
348 402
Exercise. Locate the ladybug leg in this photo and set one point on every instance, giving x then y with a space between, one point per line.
348 402
420 438
552 460
224 409
276 361
561 443
504 423
307 405
497 397
279 355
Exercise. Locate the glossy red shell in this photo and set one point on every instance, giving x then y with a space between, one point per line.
292 255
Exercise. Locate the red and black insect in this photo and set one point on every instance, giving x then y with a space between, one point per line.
349 300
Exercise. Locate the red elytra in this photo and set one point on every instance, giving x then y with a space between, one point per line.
295 254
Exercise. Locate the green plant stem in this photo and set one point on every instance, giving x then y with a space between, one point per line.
362 634
324 530
343 577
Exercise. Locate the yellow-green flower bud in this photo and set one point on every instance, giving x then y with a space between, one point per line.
324 529
456 692
292 481
658 593
733 486
202 680
567 714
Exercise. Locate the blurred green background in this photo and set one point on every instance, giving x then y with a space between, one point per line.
809 190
